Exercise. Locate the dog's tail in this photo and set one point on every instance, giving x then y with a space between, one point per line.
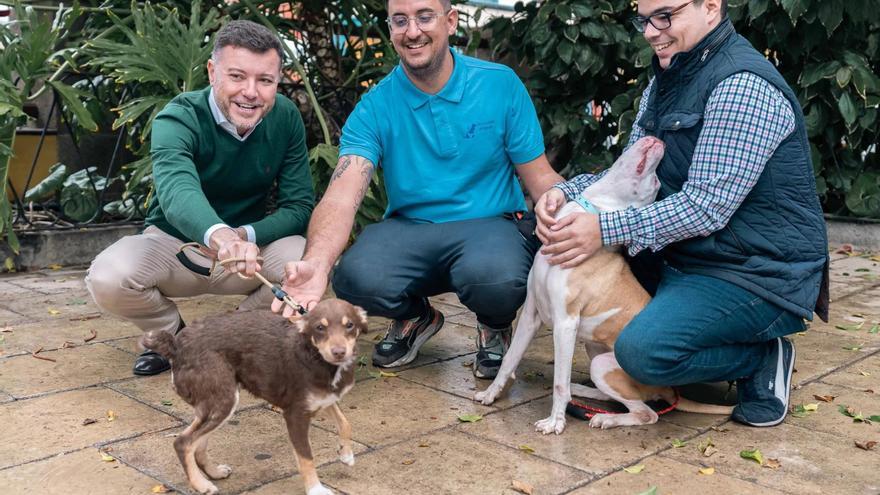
161 342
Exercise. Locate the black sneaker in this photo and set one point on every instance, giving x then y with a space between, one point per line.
764 397
492 343
404 339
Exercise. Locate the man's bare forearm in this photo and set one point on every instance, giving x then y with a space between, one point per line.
333 217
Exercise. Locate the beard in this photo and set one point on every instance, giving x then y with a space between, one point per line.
428 69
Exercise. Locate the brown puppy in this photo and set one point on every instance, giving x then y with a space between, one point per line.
300 367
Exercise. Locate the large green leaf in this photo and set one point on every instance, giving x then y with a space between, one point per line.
73 101
864 196
831 14
847 108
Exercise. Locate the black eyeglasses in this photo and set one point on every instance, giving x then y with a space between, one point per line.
660 20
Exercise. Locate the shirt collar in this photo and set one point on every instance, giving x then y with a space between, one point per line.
452 91
223 122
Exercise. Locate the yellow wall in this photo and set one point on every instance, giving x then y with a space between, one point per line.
25 148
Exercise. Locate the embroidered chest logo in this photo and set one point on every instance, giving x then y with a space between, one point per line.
478 128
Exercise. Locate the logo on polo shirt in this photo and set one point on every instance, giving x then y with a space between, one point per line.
478 128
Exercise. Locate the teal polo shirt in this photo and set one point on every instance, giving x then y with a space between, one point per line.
449 156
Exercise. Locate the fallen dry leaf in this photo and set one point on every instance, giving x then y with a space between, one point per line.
35 354
864 373
870 444
707 470
407 462
469 418
754 455
67 344
710 450
527 449
107 457
844 249
111 416
89 421
161 489
424 444
825 398
638 468
92 334
720 429
6 329
55 266
772 463
522 487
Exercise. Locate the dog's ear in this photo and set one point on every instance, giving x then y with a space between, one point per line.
362 314
299 324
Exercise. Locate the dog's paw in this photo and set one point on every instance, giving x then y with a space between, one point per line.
206 488
319 489
347 458
487 396
220 472
554 424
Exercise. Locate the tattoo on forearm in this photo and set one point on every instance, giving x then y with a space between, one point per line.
343 164
366 175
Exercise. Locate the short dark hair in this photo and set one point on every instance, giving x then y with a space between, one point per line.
447 4
723 6
249 35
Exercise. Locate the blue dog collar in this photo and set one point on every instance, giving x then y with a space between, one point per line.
586 204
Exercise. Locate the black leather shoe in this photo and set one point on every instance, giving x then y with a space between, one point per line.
150 363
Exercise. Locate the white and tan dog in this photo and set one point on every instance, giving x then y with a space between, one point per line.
594 301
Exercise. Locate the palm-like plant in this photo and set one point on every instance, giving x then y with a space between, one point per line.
31 50
161 57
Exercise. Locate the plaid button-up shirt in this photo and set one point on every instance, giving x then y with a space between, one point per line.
745 120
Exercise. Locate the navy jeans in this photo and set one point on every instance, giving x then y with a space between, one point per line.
700 329
397 263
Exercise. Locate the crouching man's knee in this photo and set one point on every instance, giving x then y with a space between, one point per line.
639 357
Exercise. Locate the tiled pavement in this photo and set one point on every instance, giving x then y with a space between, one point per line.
409 439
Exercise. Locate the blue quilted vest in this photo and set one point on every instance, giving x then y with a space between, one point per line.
775 245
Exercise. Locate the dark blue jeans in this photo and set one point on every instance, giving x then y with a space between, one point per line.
700 329
397 263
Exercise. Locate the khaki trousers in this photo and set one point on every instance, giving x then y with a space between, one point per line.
136 276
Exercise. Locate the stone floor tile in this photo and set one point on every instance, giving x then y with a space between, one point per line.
863 375
670 476
812 462
52 282
79 472
449 298
8 316
817 354
24 375
405 410
255 443
27 337
466 318
853 274
828 418
9 288
534 379
449 462
158 392
579 446
37 428
53 309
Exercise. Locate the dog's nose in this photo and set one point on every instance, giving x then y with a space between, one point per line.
338 352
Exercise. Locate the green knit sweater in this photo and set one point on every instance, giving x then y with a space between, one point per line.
204 176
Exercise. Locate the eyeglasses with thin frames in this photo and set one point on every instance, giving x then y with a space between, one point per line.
661 20
425 21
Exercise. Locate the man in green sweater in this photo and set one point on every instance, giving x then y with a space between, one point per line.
217 154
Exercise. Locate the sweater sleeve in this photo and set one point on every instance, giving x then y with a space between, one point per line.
178 188
296 195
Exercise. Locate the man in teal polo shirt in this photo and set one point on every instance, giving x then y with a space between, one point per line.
217 153
451 134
